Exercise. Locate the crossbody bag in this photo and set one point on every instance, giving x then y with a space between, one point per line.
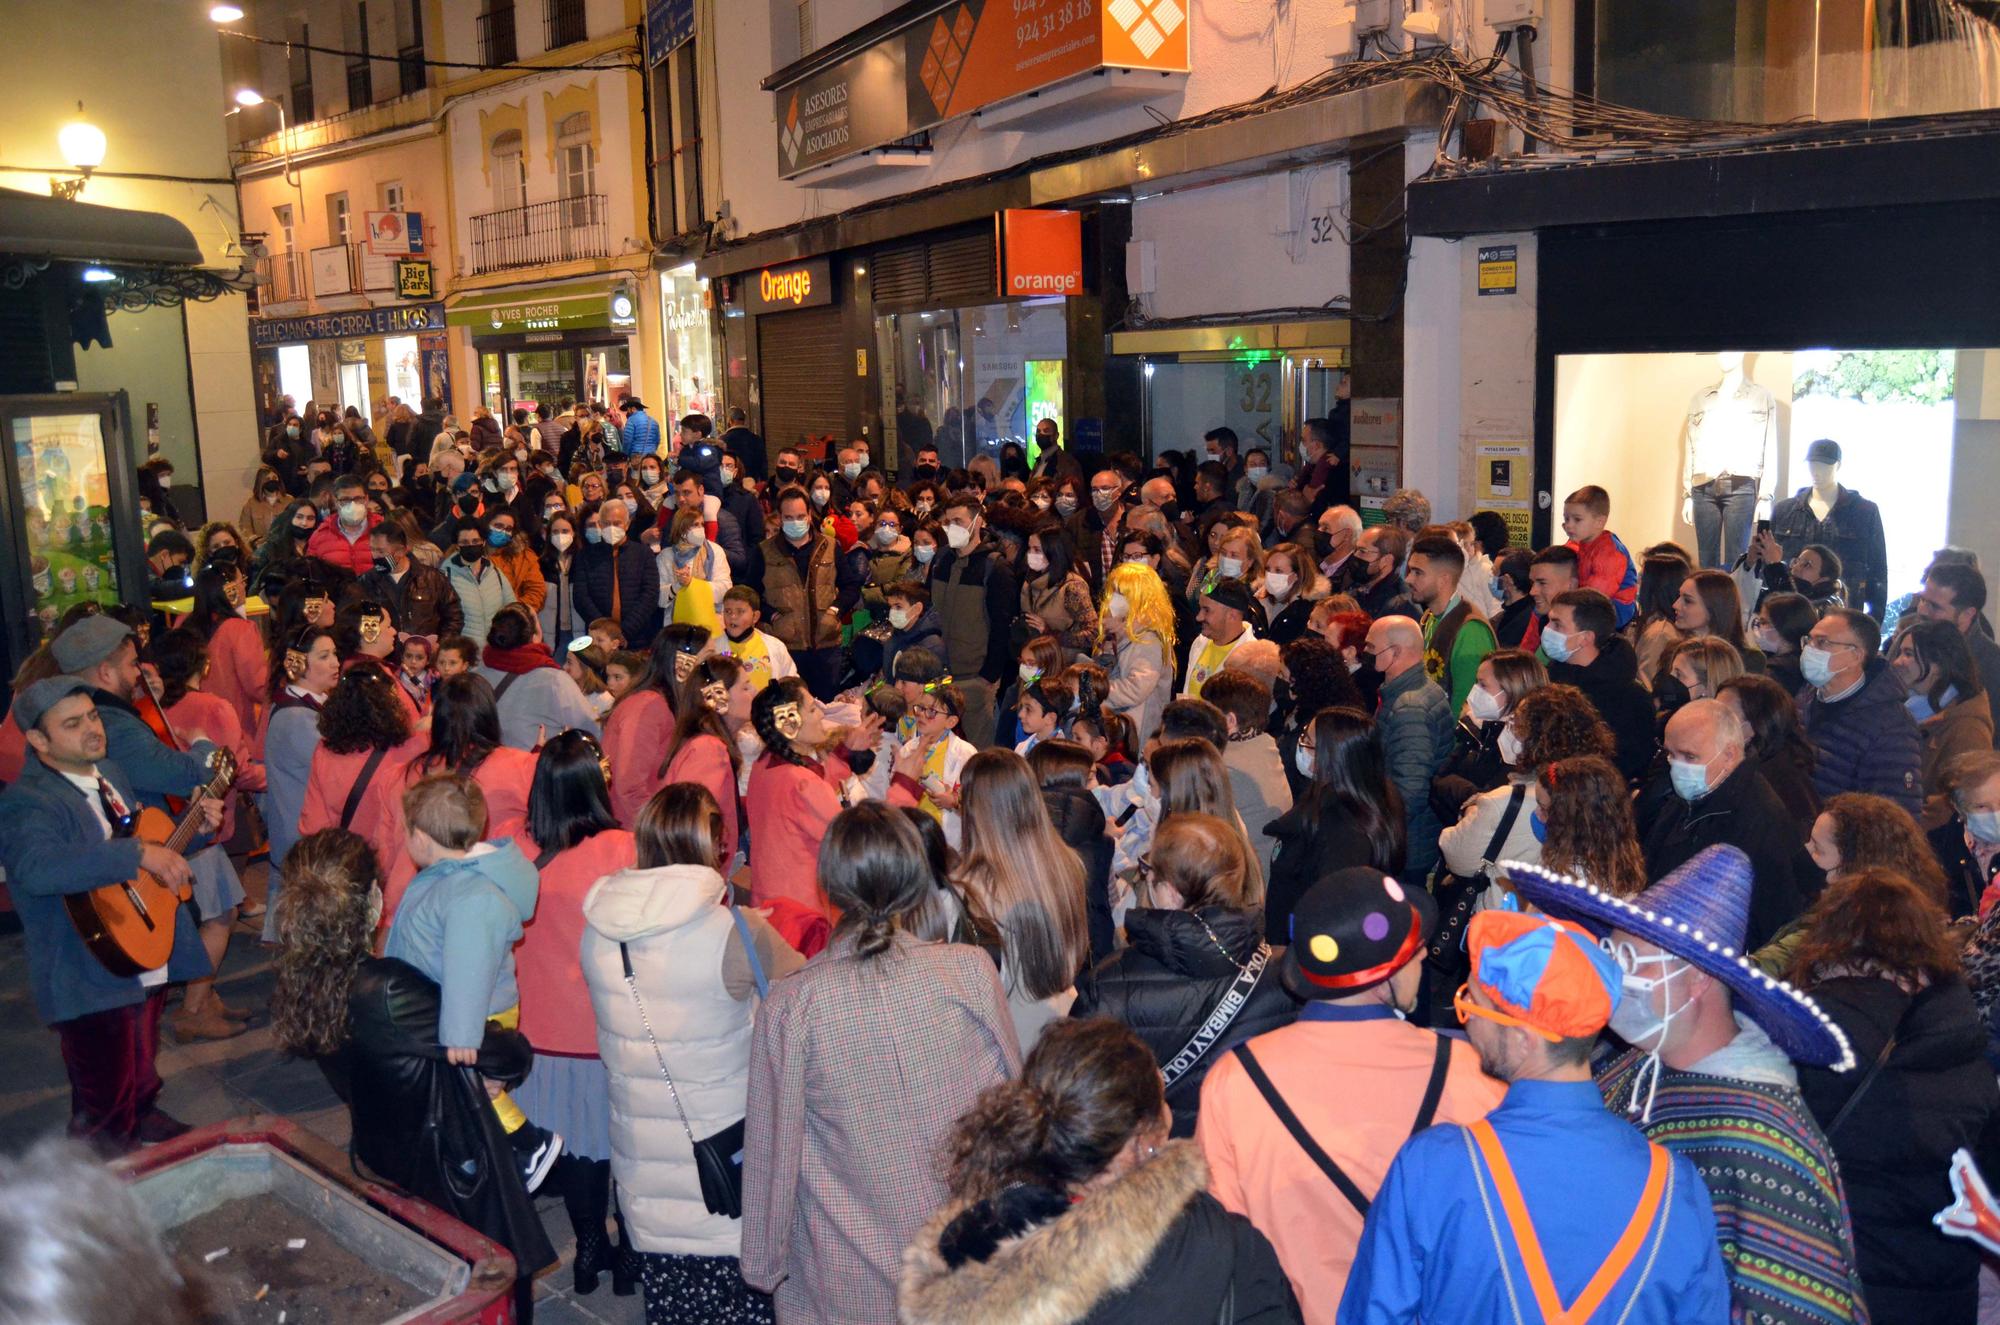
1459 894
1220 1018
360 787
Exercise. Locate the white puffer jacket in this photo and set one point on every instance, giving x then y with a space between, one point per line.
674 924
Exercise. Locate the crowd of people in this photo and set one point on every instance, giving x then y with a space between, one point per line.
1066 888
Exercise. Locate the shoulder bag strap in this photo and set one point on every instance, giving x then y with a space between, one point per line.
1434 1088
1875 1068
505 681
1507 818
625 956
1220 1017
750 951
1333 1171
360 786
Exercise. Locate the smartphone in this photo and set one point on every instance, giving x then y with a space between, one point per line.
1763 526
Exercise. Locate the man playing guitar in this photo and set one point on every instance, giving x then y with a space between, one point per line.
60 833
102 652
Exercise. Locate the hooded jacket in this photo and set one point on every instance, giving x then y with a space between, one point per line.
1932 1095
675 927
1867 741
1611 684
926 632
482 591
1168 980
458 923
1152 1246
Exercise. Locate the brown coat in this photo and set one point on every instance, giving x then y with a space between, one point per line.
1964 727
801 613
1066 611
523 569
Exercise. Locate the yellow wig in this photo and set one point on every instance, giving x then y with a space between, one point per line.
1150 608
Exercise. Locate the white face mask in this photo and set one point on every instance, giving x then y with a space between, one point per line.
923 553
1230 567
614 534
1304 760
562 540
900 617
1041 503
1118 606
1277 583
958 536
1484 705
1510 746
1030 673
1038 562
1255 472
693 537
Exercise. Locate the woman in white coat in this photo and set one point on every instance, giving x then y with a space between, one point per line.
674 975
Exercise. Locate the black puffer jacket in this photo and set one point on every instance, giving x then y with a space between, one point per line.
425 1125
1165 984
1078 817
1311 844
1934 1094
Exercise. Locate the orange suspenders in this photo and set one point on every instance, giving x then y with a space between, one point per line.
1530 1246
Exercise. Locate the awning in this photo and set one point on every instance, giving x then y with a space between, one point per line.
32 226
571 306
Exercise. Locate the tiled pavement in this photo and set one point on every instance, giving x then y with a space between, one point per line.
207 1083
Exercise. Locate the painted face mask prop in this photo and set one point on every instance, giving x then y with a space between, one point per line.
295 665
683 664
788 720
716 696
370 627
318 608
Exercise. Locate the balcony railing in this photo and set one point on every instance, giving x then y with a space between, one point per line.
302 101
562 23
496 34
281 278
410 70
541 232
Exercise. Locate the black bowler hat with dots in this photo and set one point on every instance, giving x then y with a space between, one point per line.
1352 930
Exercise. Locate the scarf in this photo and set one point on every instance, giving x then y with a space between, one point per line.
524 659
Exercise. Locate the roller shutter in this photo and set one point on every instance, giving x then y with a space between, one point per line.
803 365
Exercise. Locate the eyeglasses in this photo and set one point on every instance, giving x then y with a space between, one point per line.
925 712
1462 1003
1822 642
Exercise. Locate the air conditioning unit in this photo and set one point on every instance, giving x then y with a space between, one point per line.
1506 15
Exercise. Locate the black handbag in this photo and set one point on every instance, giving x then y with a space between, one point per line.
1458 894
718 1159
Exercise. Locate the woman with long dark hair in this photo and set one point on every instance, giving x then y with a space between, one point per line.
795 789
1318 678
714 703
573 840
641 725
1878 958
1055 598
1017 869
464 738
1709 605
1350 815
281 557
365 739
1948 700
1778 745
309 667
238 666
1066 1192
670 963
857 1065
560 550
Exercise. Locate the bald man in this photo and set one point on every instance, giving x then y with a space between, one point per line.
1711 795
1416 724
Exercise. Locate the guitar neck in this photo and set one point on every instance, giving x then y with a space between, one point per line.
185 830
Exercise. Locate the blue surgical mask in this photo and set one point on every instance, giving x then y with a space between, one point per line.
499 537
852 469
1538 826
1305 759
1499 587
1984 825
631 505
924 552
1555 644
1815 664
1690 780
796 527
592 535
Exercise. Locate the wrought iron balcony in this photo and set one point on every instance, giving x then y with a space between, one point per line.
541 232
562 23
496 34
281 278
411 73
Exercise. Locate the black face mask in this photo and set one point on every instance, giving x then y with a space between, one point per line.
468 503
1281 703
785 476
1670 694
1172 510
382 565
926 471
470 556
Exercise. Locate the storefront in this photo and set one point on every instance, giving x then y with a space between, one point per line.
687 337
358 357
1262 380
538 345
963 339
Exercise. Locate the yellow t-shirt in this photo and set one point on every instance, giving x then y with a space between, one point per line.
1213 656
753 656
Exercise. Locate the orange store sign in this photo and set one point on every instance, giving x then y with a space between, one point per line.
804 284
960 56
1040 253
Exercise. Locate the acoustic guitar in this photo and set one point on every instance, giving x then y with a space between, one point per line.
129 926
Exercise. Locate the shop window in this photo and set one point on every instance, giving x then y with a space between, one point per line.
1264 396
972 380
510 171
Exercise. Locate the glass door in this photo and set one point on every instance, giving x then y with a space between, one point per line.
69 519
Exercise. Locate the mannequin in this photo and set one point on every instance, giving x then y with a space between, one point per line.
1842 519
1730 470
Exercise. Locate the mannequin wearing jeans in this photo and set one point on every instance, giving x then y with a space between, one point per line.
1731 467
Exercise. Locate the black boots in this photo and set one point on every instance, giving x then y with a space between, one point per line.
586 1191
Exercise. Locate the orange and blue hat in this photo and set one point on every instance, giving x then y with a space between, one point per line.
1547 975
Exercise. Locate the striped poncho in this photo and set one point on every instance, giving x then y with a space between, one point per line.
1780 1211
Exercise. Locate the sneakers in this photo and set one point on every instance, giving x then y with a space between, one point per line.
158 1126
536 1150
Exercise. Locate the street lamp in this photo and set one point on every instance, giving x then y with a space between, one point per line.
82 144
245 98
224 13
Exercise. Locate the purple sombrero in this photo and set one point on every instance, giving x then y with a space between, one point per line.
1700 913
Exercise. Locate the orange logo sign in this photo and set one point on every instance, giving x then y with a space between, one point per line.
782 287
1041 253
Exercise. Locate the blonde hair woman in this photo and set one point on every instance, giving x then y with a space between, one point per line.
1703 663
1016 869
1135 643
1289 588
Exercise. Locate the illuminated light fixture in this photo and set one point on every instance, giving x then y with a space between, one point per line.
224 13
97 275
249 96
82 144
